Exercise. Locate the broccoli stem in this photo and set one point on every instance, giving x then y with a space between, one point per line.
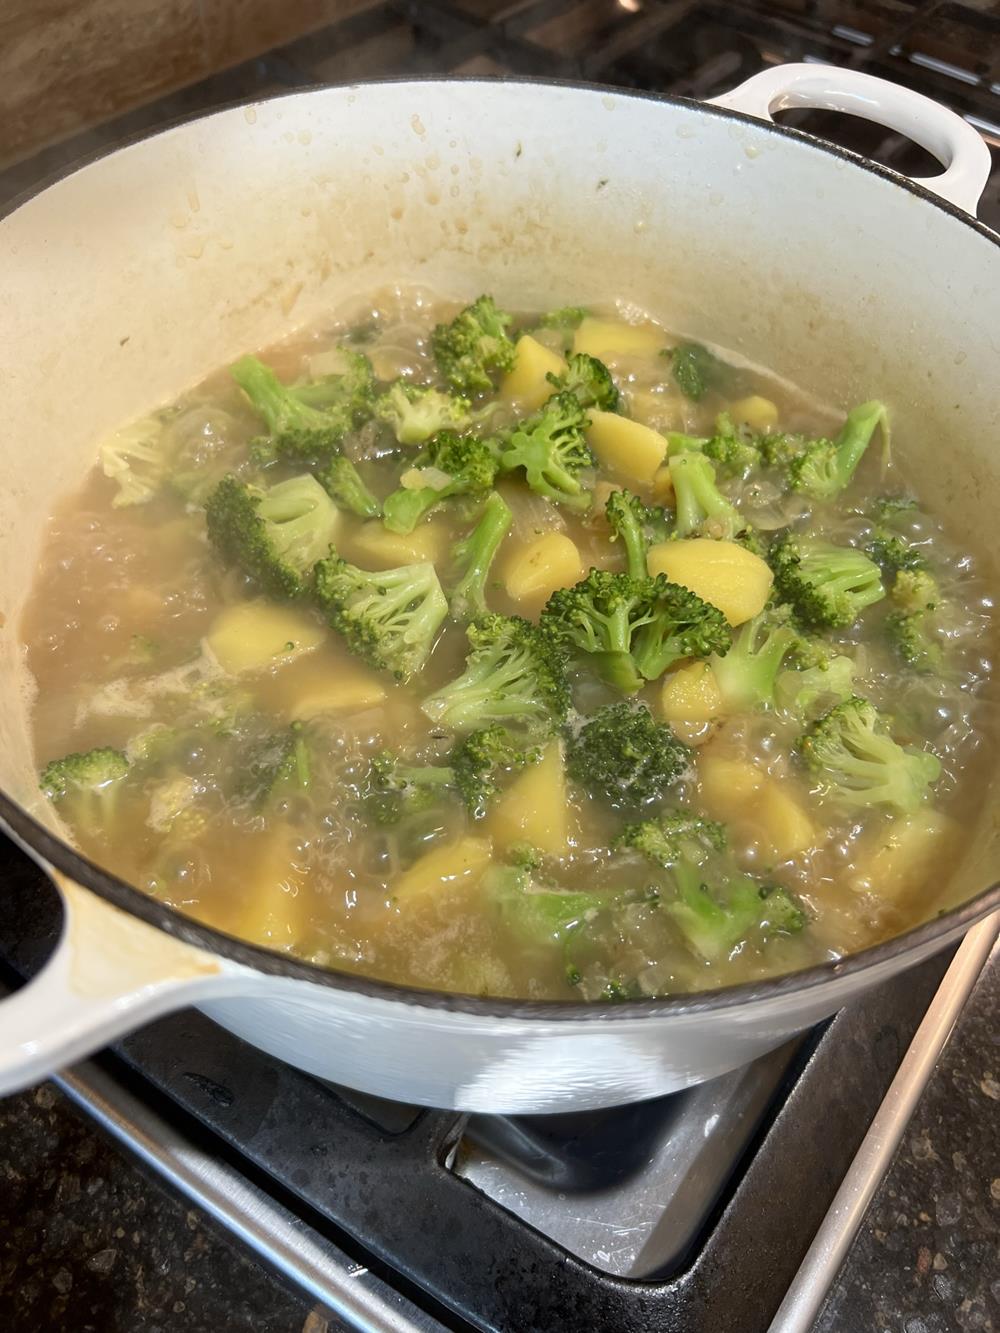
344 485
475 554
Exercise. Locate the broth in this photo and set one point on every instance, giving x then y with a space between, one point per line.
141 638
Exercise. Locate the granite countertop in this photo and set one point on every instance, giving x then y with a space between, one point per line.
88 1241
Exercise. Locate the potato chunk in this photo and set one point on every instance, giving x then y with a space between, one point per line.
632 451
345 689
781 825
526 384
272 907
534 571
690 694
253 636
898 860
442 869
723 573
756 412
727 784
533 809
375 547
609 339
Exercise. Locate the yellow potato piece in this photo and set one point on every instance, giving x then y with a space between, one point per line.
272 907
335 689
252 636
534 571
756 412
900 859
526 384
633 451
727 784
609 339
690 694
441 869
663 486
780 823
723 573
533 809
375 547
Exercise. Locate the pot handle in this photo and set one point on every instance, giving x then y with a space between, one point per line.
109 973
957 146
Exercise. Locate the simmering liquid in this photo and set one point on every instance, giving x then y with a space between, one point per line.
260 784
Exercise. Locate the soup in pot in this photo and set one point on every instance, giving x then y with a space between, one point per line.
537 655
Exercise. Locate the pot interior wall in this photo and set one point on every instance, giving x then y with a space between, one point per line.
129 280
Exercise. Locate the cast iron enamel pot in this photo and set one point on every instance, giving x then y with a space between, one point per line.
129 279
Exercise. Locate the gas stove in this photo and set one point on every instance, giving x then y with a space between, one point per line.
720 1208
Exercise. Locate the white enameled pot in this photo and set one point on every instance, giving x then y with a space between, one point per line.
129 279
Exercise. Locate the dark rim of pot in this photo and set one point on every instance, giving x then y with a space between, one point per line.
50 849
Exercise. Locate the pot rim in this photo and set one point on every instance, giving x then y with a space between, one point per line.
61 855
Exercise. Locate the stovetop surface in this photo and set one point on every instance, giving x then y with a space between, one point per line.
689 1213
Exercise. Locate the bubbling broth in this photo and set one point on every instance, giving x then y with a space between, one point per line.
546 656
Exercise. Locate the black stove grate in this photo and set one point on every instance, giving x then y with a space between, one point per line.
384 1182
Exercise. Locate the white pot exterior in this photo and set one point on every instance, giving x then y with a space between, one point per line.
130 279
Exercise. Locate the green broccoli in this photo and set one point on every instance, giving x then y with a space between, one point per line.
514 675
274 766
735 451
566 317
85 786
305 424
535 913
825 467
624 755
390 617
696 369
474 556
911 626
345 486
746 674
553 450
590 382
479 760
830 681
829 586
894 552
700 507
416 411
850 753
473 347
889 508
277 533
717 906
449 465
637 526
393 790
137 459
633 629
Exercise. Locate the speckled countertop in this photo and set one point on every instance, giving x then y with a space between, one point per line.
90 1242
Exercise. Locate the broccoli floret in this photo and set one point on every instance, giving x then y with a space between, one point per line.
473 347
275 533
345 486
894 552
449 465
566 317
306 424
474 556
533 912
274 766
825 467
633 629
716 905
829 586
746 674
416 411
553 450
829 681
479 761
600 617
701 508
637 526
513 675
589 380
390 617
392 790
696 369
85 786
888 508
851 754
137 460
735 451
911 627
624 755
